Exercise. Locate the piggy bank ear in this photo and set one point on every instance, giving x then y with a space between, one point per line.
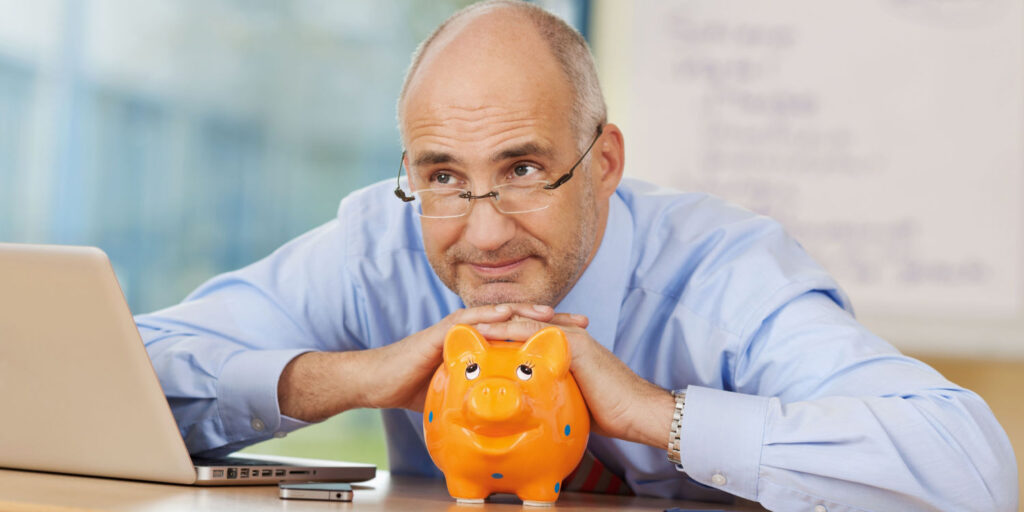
549 347
461 340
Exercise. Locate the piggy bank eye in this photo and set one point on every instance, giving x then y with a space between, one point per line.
524 372
472 371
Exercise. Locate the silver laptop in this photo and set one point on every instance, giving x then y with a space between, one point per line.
78 392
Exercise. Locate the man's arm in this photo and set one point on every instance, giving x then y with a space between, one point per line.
820 412
266 349
317 385
622 404
219 353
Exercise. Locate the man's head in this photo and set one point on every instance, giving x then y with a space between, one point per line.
504 92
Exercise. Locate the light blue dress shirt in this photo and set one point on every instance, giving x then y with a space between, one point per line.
790 401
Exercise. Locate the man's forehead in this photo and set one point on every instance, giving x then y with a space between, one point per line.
501 93
437 134
526 148
460 112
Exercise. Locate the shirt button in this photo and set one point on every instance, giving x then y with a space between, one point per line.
257 424
719 479
820 508
279 435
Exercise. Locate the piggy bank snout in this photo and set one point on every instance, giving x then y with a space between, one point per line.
495 400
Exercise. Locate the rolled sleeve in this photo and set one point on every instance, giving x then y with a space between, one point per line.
248 396
721 439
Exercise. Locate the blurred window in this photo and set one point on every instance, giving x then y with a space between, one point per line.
191 137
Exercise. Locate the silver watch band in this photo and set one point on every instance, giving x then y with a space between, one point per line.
677 421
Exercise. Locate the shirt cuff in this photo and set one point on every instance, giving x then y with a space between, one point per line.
247 394
721 437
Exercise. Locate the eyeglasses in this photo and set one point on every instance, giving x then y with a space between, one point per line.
523 196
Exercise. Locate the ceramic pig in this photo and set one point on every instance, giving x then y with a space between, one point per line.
505 416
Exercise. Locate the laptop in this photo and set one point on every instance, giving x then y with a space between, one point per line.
78 392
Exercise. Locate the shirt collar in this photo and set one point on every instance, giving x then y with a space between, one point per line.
599 292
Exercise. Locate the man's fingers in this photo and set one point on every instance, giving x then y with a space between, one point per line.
501 313
537 312
519 330
566 320
496 313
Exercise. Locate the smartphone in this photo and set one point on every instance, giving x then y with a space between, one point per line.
315 491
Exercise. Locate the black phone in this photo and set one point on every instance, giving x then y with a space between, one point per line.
325 491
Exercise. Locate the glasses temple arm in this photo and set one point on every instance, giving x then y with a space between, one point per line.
567 176
398 181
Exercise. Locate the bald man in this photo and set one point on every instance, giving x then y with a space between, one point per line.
715 356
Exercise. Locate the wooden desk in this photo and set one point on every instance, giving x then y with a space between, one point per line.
42 492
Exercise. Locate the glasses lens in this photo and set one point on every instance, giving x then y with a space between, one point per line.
441 202
523 198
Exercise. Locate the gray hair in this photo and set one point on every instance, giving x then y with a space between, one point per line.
568 47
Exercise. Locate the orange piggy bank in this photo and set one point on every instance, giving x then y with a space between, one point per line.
505 416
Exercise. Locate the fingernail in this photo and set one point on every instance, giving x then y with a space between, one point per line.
541 308
502 308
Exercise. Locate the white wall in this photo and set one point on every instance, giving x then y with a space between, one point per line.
886 135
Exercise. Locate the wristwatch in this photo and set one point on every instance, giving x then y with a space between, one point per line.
677 421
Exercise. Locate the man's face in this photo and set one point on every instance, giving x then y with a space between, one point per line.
483 110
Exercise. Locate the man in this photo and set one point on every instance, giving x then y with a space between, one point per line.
518 209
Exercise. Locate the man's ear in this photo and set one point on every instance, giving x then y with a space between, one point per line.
549 347
461 340
609 161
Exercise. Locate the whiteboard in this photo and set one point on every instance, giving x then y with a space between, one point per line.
886 135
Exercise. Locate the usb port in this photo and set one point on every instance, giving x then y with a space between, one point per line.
218 473
245 473
232 473
267 472
279 472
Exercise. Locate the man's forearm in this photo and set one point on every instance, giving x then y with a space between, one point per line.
317 385
652 419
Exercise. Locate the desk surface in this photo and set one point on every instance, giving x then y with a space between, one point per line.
43 492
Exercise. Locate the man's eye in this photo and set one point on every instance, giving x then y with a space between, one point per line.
441 178
525 170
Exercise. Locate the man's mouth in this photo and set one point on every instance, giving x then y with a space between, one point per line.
497 269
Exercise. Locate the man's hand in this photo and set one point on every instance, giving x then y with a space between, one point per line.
404 369
622 404
317 385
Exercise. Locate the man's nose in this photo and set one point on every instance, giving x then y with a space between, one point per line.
488 229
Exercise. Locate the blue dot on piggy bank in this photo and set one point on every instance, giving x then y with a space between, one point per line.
557 485
497 475
430 417
567 430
